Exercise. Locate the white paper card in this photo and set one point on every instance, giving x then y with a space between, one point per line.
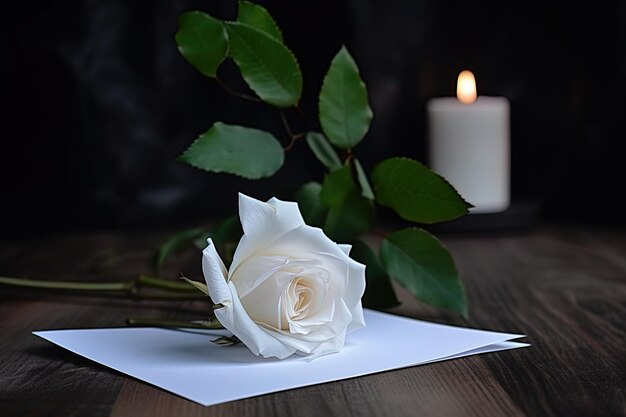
190 365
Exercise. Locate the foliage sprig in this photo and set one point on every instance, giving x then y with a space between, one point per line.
344 202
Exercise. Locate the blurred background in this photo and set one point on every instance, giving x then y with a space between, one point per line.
97 103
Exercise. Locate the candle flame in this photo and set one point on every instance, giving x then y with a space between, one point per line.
466 87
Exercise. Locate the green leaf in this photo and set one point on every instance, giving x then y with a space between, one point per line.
250 153
258 17
419 262
415 192
366 188
378 292
173 245
354 218
267 66
310 204
201 40
323 150
338 186
349 214
345 114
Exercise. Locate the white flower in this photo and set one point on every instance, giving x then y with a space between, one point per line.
290 289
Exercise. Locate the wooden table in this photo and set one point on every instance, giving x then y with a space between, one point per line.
563 286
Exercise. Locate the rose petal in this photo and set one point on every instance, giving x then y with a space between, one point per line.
345 248
263 304
354 293
287 212
234 318
318 308
329 346
313 322
324 340
303 240
306 239
215 275
262 224
250 274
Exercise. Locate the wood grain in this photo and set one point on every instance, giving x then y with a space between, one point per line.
563 286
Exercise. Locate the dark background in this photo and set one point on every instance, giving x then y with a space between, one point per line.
97 103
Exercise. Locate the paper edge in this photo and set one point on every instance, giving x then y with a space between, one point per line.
455 356
506 341
510 336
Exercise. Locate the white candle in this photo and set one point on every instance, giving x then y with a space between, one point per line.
469 144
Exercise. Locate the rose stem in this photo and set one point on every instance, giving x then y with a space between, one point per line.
110 289
214 324
165 284
292 137
69 285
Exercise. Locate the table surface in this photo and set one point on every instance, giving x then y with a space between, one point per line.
563 286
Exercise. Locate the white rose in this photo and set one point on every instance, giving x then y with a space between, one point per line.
290 289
